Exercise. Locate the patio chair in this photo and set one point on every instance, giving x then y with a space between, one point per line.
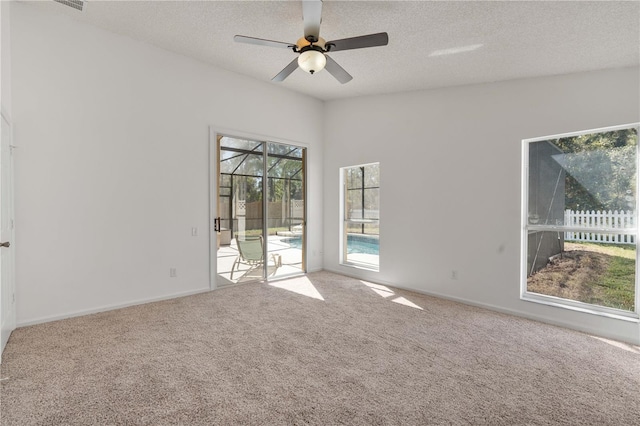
250 252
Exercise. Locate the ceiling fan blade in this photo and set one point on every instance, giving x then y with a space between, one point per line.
286 71
262 42
371 40
312 15
337 71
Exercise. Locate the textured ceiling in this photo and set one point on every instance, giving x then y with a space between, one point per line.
510 39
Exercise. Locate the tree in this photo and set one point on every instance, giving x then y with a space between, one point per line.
600 170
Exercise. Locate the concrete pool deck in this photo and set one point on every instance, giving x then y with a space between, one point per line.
290 259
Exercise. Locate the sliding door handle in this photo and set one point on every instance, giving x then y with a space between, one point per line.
5 244
216 224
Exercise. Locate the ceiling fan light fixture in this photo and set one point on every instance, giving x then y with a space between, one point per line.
312 61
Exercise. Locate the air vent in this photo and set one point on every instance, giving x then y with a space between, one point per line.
76 4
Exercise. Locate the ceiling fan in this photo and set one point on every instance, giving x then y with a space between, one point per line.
313 49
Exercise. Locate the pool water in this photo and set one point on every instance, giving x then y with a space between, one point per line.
355 244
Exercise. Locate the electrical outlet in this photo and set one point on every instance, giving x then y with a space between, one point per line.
194 232
454 274
173 273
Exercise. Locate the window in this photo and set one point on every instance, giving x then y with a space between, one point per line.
580 205
361 216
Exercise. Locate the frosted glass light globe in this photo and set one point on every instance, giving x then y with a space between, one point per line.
312 61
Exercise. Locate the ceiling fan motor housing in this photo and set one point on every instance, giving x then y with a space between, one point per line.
303 43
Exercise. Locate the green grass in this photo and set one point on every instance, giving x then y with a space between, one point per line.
617 281
627 251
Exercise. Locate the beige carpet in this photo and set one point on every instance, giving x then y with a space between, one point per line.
341 353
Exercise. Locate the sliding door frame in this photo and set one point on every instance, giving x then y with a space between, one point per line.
214 132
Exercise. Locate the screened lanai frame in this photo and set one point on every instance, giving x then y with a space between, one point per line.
242 156
541 225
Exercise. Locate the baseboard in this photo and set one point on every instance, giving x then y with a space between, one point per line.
530 316
508 311
109 307
375 281
105 308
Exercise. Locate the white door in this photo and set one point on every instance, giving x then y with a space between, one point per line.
7 282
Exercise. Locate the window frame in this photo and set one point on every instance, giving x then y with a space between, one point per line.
633 316
344 221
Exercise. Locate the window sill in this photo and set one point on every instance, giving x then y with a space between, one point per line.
581 307
364 266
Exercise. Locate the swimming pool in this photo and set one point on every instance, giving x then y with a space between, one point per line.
365 244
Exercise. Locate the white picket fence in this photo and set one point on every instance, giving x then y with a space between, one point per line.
600 219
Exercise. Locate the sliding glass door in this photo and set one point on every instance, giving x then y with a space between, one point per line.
260 221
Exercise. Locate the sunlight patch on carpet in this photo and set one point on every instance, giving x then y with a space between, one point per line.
379 289
301 285
385 292
405 302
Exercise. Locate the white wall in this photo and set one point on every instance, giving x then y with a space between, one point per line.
450 181
112 166
5 59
